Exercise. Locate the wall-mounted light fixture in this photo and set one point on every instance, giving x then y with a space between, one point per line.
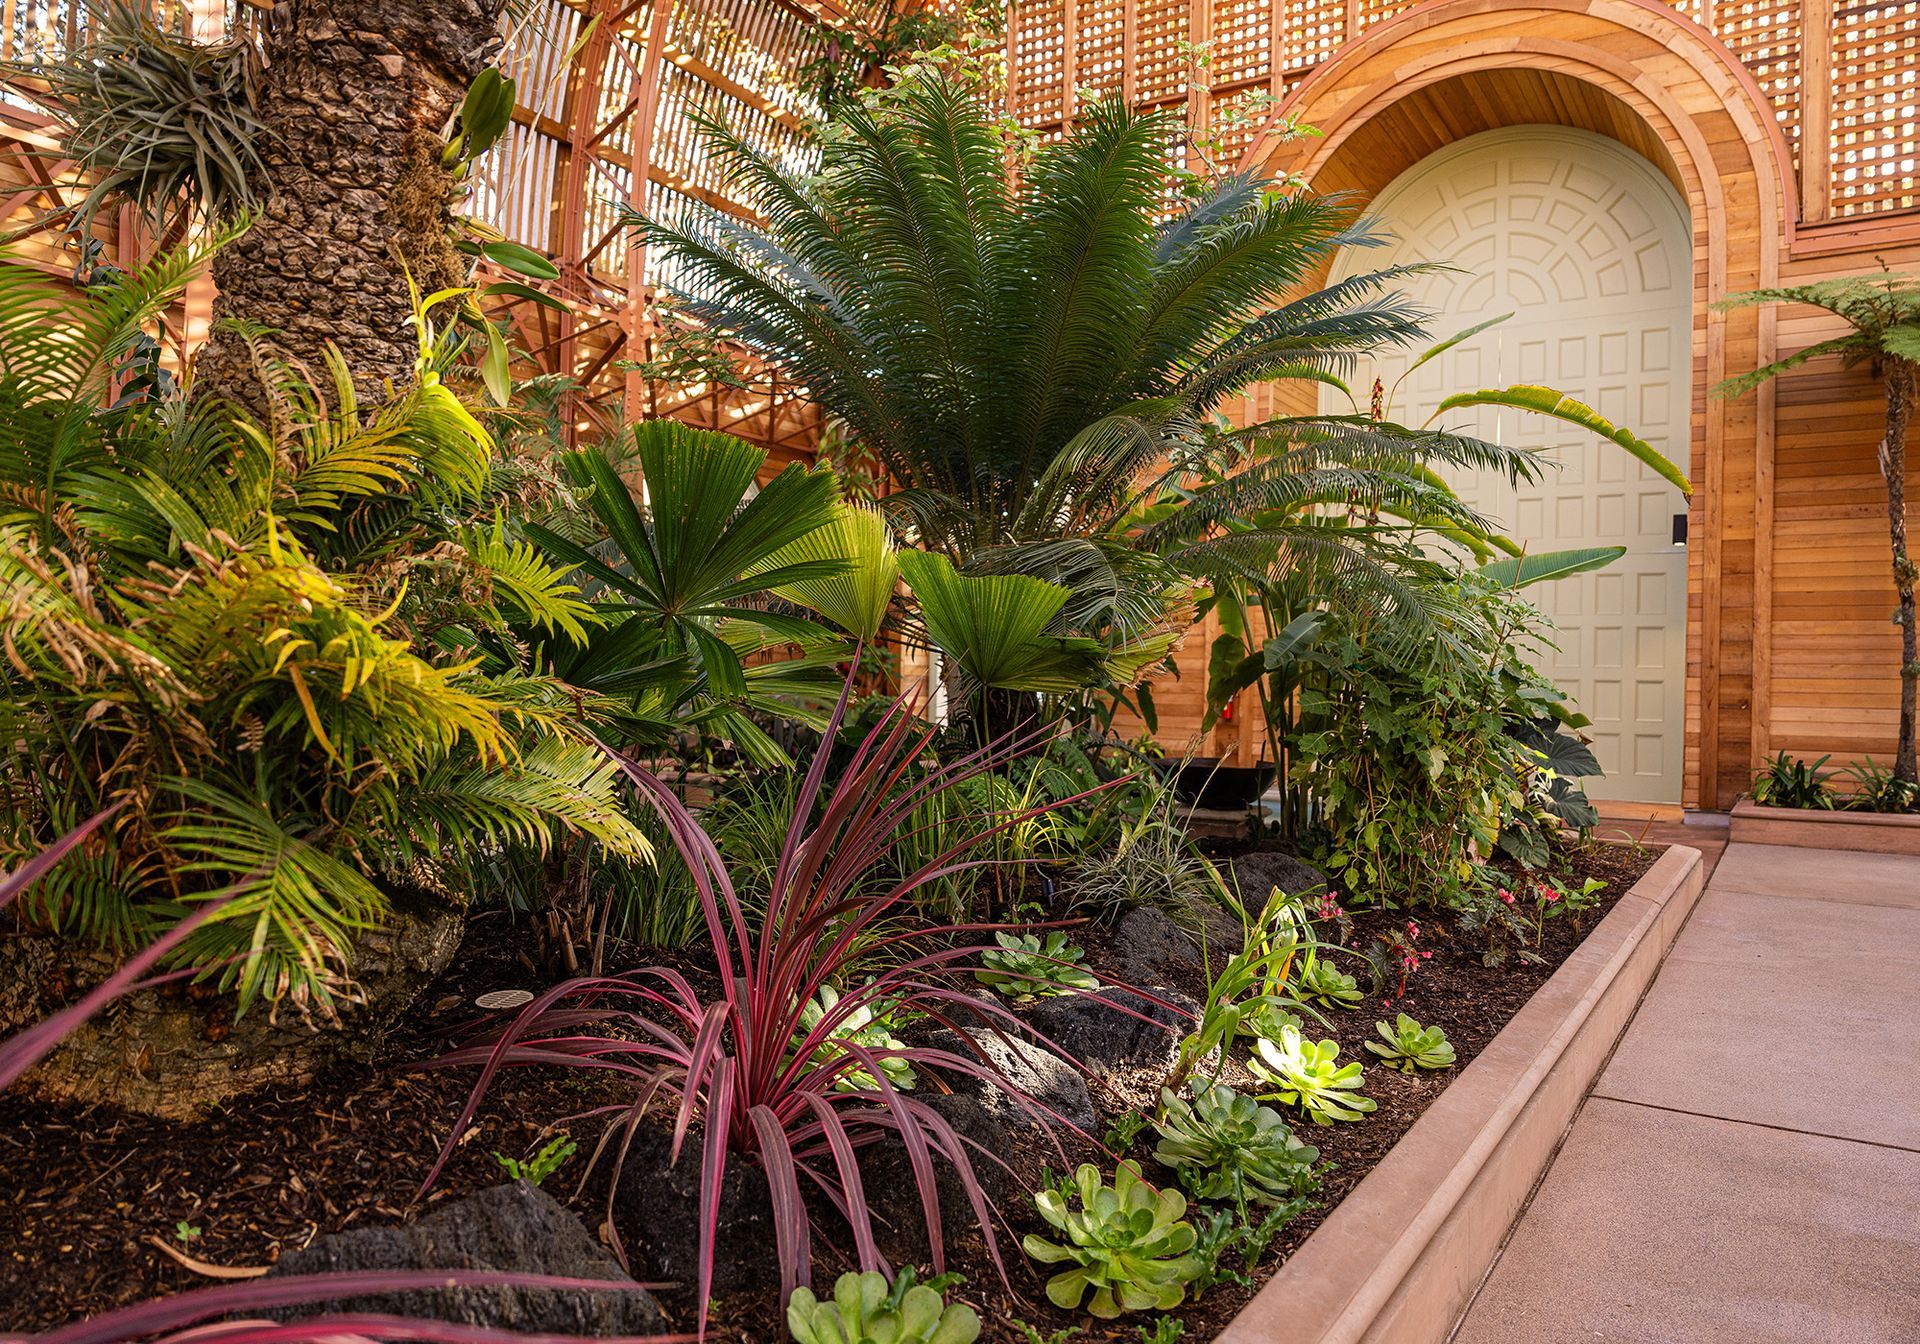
1680 529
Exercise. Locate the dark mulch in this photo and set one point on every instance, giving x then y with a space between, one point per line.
82 1191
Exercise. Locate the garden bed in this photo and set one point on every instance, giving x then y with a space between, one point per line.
1824 828
267 1176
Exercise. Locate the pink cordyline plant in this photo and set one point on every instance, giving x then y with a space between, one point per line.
765 1088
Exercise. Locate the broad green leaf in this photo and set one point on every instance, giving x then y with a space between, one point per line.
994 626
1526 570
520 260
1546 401
493 367
515 290
1295 638
856 598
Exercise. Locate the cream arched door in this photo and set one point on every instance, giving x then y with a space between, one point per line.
1588 246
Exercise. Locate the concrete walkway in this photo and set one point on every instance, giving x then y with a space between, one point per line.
1747 1168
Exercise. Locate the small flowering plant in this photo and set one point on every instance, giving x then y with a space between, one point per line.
1398 952
1554 898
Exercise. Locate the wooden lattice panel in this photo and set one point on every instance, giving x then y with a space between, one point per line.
1242 40
1766 36
1367 13
1038 39
755 44
1237 119
1876 108
513 186
1160 65
1312 31
1099 47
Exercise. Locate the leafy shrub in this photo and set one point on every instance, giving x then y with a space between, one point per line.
1877 789
1226 1146
1304 1074
1406 1045
866 1309
1127 1243
1254 992
768 1088
1794 783
213 618
1028 967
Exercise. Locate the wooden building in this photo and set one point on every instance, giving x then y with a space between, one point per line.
1608 171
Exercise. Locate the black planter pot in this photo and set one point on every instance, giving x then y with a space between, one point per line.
1204 782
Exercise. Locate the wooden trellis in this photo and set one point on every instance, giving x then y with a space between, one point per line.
1843 79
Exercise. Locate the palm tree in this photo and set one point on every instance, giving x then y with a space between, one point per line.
1883 314
1035 349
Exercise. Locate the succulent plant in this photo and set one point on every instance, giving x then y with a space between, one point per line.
1027 967
865 1026
1326 982
866 1309
1408 1045
1226 1146
1305 1075
1126 1242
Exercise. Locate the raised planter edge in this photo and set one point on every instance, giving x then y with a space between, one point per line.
1870 832
1399 1261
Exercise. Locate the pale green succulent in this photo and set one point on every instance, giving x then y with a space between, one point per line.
1305 1075
1326 982
1126 1243
866 1309
1027 967
1226 1146
864 1028
1408 1046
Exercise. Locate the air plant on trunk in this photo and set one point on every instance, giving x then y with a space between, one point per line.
763 1067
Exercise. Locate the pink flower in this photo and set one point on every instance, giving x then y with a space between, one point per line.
1413 930
1506 896
1426 955
1549 895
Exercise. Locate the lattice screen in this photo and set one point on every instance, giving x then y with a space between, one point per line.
1038 42
1242 41
1099 47
1876 108
1160 66
1314 31
1370 12
1765 35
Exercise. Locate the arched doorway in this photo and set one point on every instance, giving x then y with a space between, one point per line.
1589 247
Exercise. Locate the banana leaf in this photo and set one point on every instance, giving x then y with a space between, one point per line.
1525 570
1547 401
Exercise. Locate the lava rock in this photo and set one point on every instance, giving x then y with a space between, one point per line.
1027 1066
1255 876
1146 940
512 1227
1103 1033
893 1194
657 1211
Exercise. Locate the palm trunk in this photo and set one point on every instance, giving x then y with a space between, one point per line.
356 94
1903 383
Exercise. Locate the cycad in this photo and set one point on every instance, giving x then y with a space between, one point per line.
1035 353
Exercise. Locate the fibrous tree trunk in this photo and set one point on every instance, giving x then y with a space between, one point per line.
1903 388
357 95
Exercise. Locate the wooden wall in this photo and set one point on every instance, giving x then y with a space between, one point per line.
1789 586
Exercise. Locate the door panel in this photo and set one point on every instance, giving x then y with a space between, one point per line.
1588 246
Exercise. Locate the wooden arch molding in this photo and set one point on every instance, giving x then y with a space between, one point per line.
1653 80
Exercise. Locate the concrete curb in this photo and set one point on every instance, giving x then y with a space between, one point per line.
1401 1257
1866 832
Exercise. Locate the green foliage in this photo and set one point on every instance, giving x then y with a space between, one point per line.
1549 402
1127 1244
1229 1147
218 620
866 1309
1877 789
1406 1045
1030 966
1794 783
1304 1074
995 626
153 117
1323 982
1412 766
1166 1330
868 1026
1523 571
1254 991
547 1159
